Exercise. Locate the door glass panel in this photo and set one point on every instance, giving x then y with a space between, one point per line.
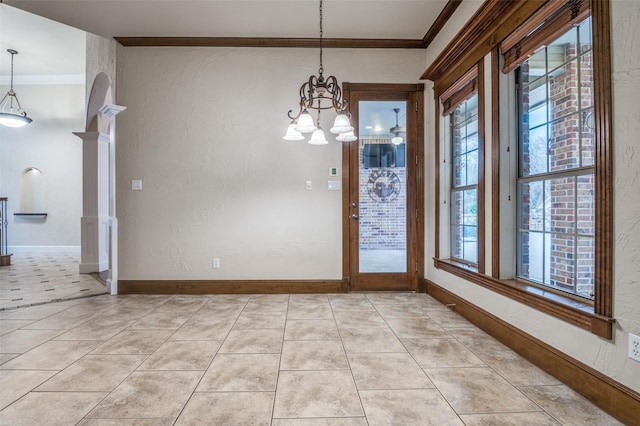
382 186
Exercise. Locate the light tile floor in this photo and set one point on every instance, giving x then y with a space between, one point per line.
338 359
37 279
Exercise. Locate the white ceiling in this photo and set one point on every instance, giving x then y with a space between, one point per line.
45 48
382 19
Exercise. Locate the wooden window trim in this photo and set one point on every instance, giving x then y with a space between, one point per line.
471 82
472 43
553 27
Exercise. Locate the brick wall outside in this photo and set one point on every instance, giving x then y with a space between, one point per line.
383 225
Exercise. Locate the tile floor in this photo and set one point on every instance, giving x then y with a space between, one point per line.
338 359
37 279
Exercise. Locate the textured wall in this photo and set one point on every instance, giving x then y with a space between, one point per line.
609 357
203 130
101 57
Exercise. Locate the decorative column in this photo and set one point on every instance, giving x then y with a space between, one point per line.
94 230
111 111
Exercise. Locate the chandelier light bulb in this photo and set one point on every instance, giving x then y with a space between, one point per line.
305 123
318 138
347 137
292 133
341 124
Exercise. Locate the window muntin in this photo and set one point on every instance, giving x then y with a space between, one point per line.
464 181
556 185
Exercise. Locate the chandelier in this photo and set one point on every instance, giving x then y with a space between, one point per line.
8 117
312 94
397 131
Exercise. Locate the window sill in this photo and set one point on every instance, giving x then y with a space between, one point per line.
570 310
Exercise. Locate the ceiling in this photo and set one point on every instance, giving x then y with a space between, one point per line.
369 19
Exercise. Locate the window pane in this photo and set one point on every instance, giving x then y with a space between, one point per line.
561 266
472 168
564 144
532 206
586 271
457 217
563 90
586 80
587 139
562 205
470 207
562 49
584 30
534 103
532 256
586 205
535 67
459 171
534 151
470 244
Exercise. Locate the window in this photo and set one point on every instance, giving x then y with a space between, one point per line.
555 185
464 181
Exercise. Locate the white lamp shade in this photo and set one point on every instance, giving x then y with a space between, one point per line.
341 124
13 120
305 123
318 138
347 137
397 140
292 133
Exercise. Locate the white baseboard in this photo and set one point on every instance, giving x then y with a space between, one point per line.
44 249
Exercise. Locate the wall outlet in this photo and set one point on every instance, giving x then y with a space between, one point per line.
634 347
216 263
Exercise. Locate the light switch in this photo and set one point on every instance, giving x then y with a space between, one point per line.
136 184
334 185
308 185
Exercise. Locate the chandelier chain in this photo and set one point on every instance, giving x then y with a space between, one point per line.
321 69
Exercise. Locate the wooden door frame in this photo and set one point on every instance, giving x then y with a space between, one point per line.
415 186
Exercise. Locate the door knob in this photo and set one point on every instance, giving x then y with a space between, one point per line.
354 204
355 217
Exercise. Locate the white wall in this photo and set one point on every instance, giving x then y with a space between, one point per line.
47 144
609 357
203 130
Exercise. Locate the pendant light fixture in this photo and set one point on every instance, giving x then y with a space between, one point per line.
396 130
9 117
312 94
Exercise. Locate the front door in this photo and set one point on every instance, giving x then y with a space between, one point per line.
382 208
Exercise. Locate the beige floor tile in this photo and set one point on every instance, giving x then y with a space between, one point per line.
441 353
183 304
567 406
198 329
311 330
416 328
371 340
52 355
37 312
316 394
509 419
397 298
134 342
344 421
96 329
477 340
182 355
160 320
9 325
358 320
315 310
266 305
350 302
253 341
308 299
398 310
448 319
241 372
7 357
93 373
478 390
126 422
16 383
313 355
50 408
517 370
149 394
220 311
387 371
20 341
229 299
407 408
228 408
260 320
